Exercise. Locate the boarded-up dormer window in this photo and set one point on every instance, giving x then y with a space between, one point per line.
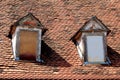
91 42
26 36
95 48
27 43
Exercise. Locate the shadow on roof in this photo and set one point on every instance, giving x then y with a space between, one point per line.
51 58
114 57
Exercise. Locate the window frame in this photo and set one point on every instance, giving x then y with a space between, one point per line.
17 41
104 48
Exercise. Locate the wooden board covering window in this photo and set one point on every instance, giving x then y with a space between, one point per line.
95 49
28 44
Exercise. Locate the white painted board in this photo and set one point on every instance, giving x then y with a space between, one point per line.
95 49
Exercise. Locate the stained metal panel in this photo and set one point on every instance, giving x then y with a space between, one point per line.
95 49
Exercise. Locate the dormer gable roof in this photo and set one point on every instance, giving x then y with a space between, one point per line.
93 24
29 20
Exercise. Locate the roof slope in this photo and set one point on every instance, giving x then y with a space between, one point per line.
62 18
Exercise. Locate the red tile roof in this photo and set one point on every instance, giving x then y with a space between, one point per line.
62 18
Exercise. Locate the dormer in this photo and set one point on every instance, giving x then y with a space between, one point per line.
91 42
26 36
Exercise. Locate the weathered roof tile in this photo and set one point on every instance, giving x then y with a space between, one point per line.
62 18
